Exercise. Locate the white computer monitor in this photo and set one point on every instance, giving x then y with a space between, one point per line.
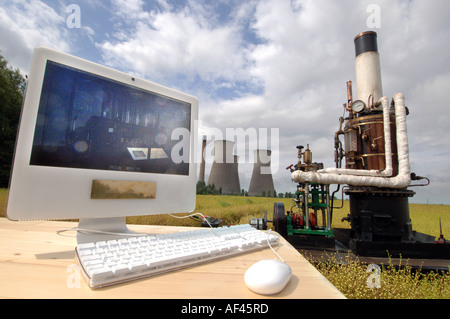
98 145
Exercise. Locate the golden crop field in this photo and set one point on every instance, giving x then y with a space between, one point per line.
240 209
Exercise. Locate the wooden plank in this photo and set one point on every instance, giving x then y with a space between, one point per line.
35 262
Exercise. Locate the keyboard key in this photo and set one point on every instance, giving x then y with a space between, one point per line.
101 274
110 262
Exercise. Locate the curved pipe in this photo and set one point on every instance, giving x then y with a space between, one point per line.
387 151
402 180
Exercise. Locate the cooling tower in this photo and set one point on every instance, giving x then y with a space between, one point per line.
224 171
262 180
201 177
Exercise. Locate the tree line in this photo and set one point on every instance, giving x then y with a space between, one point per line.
203 189
12 88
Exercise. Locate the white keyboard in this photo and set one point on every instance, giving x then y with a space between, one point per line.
111 262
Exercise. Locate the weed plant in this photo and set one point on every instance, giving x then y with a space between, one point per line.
350 276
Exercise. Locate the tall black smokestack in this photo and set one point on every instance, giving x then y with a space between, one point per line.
368 71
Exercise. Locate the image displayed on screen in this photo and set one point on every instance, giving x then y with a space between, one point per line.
91 122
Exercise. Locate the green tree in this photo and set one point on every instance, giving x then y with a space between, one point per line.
12 86
203 189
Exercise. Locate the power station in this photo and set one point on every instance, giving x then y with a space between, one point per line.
224 173
261 182
201 176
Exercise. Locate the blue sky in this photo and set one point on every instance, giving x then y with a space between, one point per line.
275 64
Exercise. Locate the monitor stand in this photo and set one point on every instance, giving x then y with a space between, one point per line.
91 229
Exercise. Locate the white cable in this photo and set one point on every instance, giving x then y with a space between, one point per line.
187 216
268 242
120 233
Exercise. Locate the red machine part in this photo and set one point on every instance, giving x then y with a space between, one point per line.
312 220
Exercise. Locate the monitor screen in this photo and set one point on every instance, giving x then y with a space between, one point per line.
95 142
90 122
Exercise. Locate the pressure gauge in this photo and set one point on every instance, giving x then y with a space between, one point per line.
358 106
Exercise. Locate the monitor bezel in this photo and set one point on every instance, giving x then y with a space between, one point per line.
56 193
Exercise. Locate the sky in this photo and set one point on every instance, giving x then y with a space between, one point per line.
275 67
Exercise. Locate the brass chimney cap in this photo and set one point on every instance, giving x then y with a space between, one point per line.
365 33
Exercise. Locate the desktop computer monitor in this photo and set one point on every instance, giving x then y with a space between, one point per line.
97 145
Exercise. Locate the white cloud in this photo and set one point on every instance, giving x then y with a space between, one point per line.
27 24
269 63
130 10
182 43
425 104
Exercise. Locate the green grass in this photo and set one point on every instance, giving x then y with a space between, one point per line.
425 218
350 277
231 209
239 210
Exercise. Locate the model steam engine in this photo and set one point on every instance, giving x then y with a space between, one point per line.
375 176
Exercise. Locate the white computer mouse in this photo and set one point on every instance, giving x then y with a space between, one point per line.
268 276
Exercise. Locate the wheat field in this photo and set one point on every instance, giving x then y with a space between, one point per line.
240 209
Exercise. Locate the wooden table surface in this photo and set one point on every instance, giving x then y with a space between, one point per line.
36 262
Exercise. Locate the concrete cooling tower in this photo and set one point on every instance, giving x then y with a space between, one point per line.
201 177
224 171
262 180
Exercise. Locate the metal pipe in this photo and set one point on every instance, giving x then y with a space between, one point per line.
402 180
349 96
327 187
387 151
306 201
368 71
